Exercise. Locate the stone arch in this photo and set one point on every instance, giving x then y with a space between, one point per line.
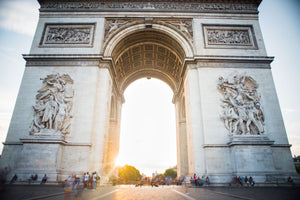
148 50
151 50
140 26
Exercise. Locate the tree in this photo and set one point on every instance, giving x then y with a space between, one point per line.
129 173
170 172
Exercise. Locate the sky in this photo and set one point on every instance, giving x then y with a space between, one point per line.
280 26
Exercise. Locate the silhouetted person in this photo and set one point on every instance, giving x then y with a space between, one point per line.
14 179
44 180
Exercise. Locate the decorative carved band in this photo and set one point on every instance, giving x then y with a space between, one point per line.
195 6
228 36
71 35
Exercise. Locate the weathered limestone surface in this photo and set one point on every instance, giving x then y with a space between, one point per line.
212 55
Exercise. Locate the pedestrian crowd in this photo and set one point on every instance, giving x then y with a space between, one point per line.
243 181
199 181
78 183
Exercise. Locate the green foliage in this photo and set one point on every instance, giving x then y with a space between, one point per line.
161 176
170 172
129 173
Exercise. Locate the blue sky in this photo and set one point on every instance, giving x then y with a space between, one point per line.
280 25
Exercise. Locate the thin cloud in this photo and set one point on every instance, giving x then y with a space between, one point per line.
19 16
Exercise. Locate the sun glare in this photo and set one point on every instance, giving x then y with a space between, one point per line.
148 135
120 161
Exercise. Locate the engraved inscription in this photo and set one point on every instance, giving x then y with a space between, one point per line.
72 34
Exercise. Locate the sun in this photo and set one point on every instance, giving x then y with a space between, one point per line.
120 161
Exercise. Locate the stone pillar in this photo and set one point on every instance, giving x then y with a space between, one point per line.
181 138
100 119
194 123
113 136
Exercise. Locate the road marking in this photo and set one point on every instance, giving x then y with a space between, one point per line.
104 195
182 194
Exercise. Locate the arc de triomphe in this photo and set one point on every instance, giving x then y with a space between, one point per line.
210 52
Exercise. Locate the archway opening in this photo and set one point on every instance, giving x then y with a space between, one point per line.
157 54
148 131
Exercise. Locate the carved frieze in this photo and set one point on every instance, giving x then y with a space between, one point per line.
175 5
241 110
80 35
228 36
52 110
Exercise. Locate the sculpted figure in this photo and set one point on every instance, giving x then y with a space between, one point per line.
37 121
241 110
50 110
62 113
184 28
53 105
113 25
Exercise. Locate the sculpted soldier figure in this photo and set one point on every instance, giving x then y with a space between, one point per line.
241 111
53 105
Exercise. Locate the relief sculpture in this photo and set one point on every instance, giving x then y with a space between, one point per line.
240 37
241 108
112 25
68 35
52 112
185 26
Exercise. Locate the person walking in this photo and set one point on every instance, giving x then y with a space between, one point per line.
69 184
94 177
185 181
86 179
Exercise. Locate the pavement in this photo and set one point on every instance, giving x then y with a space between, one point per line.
130 192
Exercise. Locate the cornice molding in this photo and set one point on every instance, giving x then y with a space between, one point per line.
198 6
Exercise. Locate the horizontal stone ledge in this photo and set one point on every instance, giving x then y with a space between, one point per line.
63 56
65 143
12 143
281 145
78 144
215 146
227 145
48 140
196 58
74 60
236 59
